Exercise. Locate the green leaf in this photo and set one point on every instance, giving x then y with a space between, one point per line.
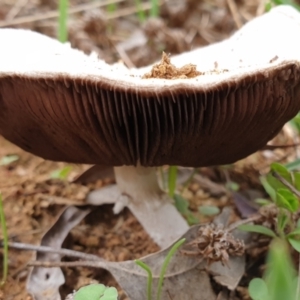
145 267
295 122
172 180
268 6
96 292
282 171
258 289
8 159
268 188
181 204
280 274
282 221
286 2
294 165
62 23
92 292
191 219
274 183
110 293
296 176
208 210
294 232
232 186
286 199
262 201
61 174
295 244
165 264
5 243
258 229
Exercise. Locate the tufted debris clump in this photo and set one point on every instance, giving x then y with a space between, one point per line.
215 243
166 70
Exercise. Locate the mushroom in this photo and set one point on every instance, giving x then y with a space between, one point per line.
60 104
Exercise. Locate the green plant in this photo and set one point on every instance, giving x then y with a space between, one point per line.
208 210
96 292
62 21
162 271
61 174
183 207
5 242
140 11
181 204
172 177
112 7
282 187
8 159
279 280
272 3
154 12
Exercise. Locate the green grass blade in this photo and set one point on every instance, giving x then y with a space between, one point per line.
258 229
140 12
150 277
5 242
62 22
172 180
165 265
154 12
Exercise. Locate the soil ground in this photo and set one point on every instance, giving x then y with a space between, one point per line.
32 200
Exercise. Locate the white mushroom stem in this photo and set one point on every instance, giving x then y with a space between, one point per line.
138 189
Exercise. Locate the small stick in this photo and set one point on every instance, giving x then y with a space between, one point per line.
234 12
286 183
46 249
60 264
242 222
273 147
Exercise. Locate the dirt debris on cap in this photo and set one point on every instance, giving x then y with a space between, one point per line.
166 70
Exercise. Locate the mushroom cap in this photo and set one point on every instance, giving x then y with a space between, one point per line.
60 104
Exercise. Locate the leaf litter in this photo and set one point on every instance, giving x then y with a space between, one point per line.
183 270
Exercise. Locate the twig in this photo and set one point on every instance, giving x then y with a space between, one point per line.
273 147
125 58
286 183
46 249
15 10
235 14
68 264
130 10
242 222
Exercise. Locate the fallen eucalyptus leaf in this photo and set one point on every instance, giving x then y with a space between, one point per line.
246 207
44 283
185 277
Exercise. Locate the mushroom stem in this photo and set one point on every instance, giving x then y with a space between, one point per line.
150 205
